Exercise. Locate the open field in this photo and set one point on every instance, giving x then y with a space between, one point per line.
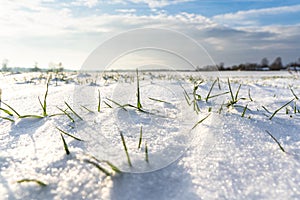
151 135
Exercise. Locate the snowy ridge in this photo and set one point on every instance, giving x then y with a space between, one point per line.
228 156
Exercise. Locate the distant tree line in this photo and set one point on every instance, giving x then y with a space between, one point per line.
52 68
262 66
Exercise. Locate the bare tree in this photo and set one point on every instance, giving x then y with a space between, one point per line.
277 64
5 65
264 62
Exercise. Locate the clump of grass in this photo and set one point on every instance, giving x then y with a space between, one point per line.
211 88
234 98
40 183
44 104
196 97
125 149
281 148
199 122
276 111
141 136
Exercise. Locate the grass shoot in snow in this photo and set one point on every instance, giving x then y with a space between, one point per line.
146 153
40 183
73 111
65 144
125 149
99 101
281 148
138 95
140 138
276 111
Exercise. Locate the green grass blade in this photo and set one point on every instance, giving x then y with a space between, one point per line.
113 167
199 122
294 94
237 93
67 114
7 111
40 183
125 148
121 106
31 116
11 108
211 88
266 110
230 90
146 153
72 136
73 111
213 96
6 118
158 100
65 144
249 95
141 136
84 107
186 94
41 104
99 101
219 85
281 108
44 104
139 105
187 99
244 111
102 169
107 104
282 149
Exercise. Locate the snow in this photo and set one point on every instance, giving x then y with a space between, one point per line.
227 156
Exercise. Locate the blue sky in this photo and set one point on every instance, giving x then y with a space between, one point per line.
52 31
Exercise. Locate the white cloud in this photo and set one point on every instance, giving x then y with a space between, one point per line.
252 17
87 3
159 3
31 32
126 10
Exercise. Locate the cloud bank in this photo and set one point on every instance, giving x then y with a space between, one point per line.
47 31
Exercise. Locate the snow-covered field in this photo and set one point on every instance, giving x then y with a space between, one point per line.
216 142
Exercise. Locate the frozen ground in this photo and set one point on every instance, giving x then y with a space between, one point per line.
227 156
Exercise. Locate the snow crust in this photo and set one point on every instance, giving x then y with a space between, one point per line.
225 157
